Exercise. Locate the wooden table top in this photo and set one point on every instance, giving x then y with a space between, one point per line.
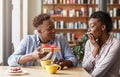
37 71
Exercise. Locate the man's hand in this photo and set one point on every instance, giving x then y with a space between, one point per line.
38 53
63 63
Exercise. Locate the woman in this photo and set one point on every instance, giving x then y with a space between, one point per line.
102 51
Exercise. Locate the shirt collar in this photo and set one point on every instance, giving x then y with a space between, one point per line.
39 42
37 39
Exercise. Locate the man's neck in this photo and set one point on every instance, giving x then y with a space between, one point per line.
44 42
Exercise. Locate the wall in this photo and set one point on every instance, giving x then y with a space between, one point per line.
1 31
34 7
16 22
6 30
23 13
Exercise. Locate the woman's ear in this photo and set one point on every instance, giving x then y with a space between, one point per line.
103 27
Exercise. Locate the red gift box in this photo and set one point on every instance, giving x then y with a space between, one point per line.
50 48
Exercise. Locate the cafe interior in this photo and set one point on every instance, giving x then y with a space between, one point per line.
16 17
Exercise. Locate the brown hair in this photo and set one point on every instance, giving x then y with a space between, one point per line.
38 20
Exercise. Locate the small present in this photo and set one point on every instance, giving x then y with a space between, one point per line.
50 48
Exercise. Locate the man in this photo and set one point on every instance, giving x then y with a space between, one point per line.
30 48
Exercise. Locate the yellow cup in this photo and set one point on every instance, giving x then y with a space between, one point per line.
45 62
52 68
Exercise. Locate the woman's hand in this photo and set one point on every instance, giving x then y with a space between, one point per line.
93 40
95 43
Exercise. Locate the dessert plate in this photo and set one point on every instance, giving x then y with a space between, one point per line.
23 72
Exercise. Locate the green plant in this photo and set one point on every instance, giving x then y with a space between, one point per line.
80 47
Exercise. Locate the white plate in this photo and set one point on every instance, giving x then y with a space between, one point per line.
18 74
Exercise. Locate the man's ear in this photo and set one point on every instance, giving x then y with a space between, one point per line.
39 30
103 27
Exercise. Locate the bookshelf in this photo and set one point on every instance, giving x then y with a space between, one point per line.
71 16
114 11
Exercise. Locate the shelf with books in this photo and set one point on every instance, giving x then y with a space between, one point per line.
75 5
116 18
113 2
114 11
76 31
114 5
116 30
70 16
69 19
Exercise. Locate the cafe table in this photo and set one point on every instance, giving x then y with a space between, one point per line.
37 71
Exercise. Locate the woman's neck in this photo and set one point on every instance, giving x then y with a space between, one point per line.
104 38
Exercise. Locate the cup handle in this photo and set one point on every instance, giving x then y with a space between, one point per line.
51 62
59 67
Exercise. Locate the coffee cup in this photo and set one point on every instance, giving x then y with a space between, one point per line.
45 62
52 68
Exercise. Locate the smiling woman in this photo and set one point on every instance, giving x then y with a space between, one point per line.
101 57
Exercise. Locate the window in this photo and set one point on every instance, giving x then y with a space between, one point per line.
1 31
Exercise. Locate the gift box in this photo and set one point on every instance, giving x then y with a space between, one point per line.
50 48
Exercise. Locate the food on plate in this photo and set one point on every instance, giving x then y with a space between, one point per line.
15 70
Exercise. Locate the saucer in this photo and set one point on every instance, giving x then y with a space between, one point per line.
23 72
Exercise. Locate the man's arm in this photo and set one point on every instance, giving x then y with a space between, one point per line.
18 53
36 54
25 54
69 58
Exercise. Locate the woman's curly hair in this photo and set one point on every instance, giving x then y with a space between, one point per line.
104 18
